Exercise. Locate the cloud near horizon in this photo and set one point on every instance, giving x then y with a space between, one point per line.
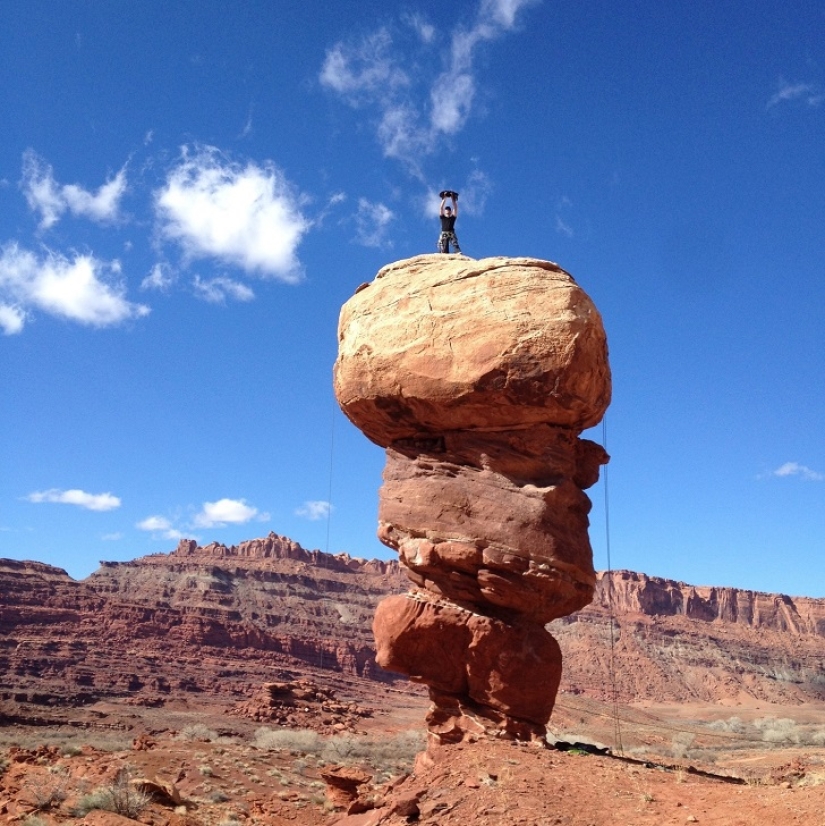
227 512
81 289
159 525
315 510
90 501
247 216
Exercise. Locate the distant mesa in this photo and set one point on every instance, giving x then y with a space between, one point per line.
213 626
478 378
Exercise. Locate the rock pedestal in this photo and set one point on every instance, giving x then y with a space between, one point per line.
478 378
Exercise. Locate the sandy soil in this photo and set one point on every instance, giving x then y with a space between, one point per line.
226 773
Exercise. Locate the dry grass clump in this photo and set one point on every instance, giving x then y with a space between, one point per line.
775 731
46 794
198 731
394 753
295 741
121 797
67 742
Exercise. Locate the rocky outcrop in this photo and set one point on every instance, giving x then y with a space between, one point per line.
478 378
301 704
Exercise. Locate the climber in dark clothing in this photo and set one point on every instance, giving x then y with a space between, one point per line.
448 216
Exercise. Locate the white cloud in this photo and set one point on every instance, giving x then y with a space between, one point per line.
112 537
314 510
247 216
81 289
51 200
160 278
414 108
159 525
154 523
227 511
807 93
422 27
90 501
363 71
372 223
795 469
12 319
563 228
475 193
217 290
452 99
401 135
503 12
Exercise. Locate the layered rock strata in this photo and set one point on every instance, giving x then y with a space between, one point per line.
478 378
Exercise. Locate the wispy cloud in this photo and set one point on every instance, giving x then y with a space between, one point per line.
51 200
227 512
161 277
364 71
81 289
217 290
314 510
414 108
372 223
807 93
795 469
90 501
244 215
562 223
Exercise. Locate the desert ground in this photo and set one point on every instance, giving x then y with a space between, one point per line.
195 761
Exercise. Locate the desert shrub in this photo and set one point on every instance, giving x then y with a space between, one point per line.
817 738
120 797
46 794
682 741
297 741
197 731
776 730
732 724
218 796
34 820
70 750
381 753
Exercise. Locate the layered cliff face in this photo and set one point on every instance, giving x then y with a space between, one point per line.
218 624
215 620
675 642
478 377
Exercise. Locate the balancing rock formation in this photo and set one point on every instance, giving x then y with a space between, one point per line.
478 377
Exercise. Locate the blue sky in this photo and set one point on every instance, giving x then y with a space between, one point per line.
189 192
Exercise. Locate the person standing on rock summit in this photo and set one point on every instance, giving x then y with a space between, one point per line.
448 216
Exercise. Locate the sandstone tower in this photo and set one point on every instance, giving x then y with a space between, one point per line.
478 378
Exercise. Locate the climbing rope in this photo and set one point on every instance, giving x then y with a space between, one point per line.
331 460
617 725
